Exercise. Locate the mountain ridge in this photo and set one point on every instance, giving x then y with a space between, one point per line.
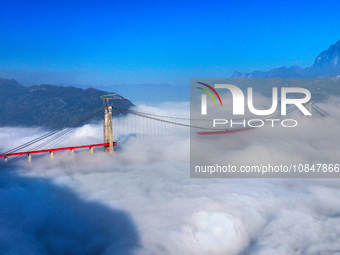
48 105
326 64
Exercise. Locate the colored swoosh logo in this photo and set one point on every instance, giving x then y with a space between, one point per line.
209 93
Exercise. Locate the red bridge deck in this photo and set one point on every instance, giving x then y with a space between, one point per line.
224 132
56 149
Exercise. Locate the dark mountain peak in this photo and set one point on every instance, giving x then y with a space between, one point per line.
8 80
9 83
90 89
49 105
327 64
282 72
329 58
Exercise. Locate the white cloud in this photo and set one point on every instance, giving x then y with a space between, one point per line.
149 178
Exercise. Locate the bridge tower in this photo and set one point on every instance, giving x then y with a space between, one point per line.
108 130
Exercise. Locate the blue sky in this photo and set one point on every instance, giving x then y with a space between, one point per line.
104 43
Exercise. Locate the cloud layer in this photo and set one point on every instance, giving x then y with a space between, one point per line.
148 177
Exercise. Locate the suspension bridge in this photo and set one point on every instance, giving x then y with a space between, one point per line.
129 123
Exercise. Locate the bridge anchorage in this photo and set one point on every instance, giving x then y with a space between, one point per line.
60 134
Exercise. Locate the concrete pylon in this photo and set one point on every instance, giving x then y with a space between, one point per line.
106 124
108 131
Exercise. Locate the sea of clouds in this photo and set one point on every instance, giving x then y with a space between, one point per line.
141 200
